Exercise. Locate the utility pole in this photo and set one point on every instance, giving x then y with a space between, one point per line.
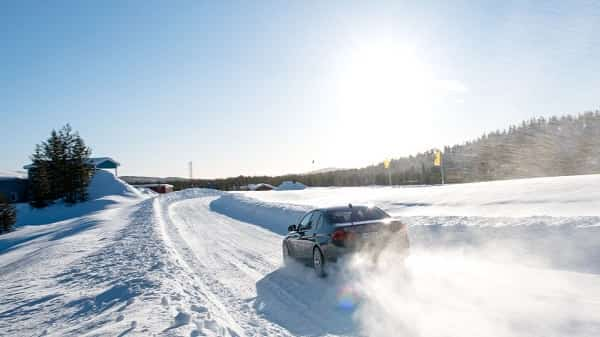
191 168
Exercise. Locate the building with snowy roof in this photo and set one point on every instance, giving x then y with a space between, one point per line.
96 163
13 186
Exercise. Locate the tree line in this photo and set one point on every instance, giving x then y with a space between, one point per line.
567 145
60 169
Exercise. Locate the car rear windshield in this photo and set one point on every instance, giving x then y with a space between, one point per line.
355 214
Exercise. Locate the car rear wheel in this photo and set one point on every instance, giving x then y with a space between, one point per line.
318 262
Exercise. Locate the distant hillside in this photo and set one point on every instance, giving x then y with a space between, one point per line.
324 170
567 145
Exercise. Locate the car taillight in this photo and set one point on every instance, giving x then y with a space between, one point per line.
342 235
339 235
397 226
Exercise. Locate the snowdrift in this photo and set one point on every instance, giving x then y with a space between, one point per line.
104 183
105 190
272 216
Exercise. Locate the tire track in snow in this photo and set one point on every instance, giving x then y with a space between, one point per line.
230 259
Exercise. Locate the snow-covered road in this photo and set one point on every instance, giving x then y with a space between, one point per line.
239 266
452 291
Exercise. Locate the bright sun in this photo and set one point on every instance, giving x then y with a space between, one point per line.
388 94
384 79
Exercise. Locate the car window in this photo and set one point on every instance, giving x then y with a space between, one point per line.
304 222
356 214
316 221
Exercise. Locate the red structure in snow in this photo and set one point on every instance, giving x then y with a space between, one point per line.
159 188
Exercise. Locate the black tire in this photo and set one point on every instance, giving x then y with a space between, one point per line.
287 259
318 262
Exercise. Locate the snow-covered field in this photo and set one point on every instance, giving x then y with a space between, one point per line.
510 258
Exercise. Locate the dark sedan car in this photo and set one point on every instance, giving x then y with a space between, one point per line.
324 235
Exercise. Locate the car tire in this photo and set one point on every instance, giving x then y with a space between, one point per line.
318 262
287 259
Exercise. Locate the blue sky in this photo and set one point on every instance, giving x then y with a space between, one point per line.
268 87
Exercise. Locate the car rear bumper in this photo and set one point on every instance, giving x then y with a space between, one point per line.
399 245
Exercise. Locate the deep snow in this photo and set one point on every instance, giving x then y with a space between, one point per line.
513 258
550 196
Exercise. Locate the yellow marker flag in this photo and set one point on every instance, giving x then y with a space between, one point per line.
386 163
437 158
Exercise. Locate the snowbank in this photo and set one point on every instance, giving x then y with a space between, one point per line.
290 185
105 191
105 183
550 196
272 216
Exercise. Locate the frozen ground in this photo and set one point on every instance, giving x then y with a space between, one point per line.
514 258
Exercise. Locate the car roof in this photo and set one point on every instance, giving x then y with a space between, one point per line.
340 208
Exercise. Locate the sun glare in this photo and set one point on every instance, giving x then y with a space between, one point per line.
383 79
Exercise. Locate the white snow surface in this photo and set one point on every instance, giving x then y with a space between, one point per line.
549 196
513 258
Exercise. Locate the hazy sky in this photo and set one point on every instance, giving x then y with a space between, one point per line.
258 87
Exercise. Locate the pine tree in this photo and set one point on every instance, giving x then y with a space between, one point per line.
68 166
54 152
8 215
61 169
39 182
81 170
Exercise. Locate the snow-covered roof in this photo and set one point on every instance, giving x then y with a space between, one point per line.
92 161
254 187
5 175
99 160
290 185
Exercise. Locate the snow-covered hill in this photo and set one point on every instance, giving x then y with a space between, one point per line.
512 258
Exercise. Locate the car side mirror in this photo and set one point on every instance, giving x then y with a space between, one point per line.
292 228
